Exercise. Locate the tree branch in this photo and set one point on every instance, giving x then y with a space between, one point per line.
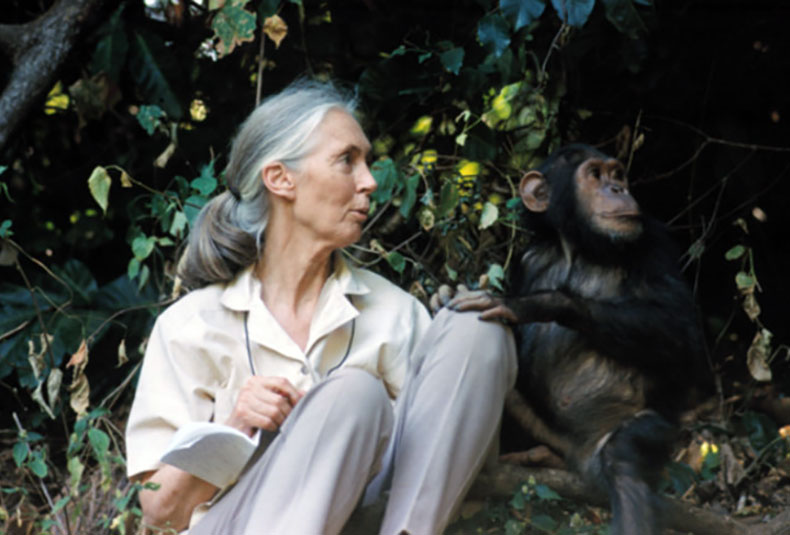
37 50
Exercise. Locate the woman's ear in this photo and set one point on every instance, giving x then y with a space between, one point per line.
278 180
535 192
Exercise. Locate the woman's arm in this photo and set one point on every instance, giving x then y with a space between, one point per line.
263 402
171 505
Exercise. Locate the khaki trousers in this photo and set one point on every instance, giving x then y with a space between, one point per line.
426 451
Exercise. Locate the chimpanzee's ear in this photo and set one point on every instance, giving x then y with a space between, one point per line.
534 191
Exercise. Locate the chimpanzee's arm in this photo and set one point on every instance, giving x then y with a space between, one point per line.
656 328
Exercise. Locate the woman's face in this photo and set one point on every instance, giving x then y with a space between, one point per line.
333 183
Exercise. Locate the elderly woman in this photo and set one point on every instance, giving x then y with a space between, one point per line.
285 336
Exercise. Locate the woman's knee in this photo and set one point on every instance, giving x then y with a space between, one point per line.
485 346
358 395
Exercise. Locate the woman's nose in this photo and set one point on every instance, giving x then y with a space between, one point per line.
366 182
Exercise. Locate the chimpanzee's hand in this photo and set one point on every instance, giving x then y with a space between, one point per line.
492 308
444 295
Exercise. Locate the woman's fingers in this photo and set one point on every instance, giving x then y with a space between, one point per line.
264 402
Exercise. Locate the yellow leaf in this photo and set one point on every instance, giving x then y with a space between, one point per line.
198 110
422 125
126 180
468 168
57 100
276 29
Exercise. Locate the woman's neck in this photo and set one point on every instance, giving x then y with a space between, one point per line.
292 272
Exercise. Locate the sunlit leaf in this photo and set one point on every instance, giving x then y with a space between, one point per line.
57 100
99 184
38 466
422 126
488 216
522 12
233 25
205 184
276 29
142 246
744 281
496 276
574 12
75 468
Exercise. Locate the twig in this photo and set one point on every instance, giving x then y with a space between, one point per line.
261 65
552 46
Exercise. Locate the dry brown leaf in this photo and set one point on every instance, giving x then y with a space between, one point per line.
757 356
79 388
8 253
276 29
751 306
162 159
79 357
126 180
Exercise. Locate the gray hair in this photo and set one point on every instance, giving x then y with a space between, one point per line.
227 235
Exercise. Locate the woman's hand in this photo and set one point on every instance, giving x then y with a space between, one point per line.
263 402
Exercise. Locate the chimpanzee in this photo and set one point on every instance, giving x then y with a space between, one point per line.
608 342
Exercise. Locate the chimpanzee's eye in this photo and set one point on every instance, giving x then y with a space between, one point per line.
595 171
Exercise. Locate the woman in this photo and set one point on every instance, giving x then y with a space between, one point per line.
286 337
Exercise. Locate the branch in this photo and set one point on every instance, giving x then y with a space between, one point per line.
37 50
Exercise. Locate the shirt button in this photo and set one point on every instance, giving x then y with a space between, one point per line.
304 370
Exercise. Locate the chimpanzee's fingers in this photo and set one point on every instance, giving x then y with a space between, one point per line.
499 312
471 301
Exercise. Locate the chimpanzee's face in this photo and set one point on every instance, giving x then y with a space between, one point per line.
604 202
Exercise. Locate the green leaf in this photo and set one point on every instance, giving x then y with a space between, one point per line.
100 442
496 274
233 25
448 200
205 184
179 224
110 53
735 253
133 269
267 8
489 215
149 74
574 12
192 206
514 527
99 184
743 280
644 2
386 175
21 449
5 229
518 502
37 465
396 261
543 522
142 246
545 493
622 14
3 168
452 59
150 117
493 32
410 197
522 12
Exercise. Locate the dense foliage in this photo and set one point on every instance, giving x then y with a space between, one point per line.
101 182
